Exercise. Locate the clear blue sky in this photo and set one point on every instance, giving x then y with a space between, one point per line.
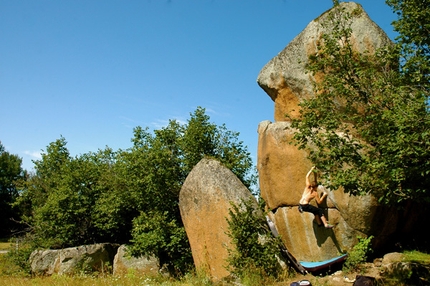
92 70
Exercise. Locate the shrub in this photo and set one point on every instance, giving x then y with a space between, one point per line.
358 255
255 251
16 262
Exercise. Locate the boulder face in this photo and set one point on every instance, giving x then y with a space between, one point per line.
284 78
123 263
94 258
204 202
282 167
86 258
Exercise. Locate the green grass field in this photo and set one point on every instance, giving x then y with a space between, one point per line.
13 276
4 243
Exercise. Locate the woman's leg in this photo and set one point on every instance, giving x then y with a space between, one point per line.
324 221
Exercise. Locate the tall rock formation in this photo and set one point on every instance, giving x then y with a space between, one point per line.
284 78
282 166
204 202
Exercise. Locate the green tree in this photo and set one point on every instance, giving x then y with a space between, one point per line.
116 205
128 195
368 128
41 190
413 41
159 164
202 138
155 173
11 173
59 198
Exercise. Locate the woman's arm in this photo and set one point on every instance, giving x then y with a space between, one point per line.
308 183
319 199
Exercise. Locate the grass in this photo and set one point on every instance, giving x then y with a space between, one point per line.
13 276
416 256
10 275
4 244
108 280
75 281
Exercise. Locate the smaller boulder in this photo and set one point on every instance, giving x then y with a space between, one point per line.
44 262
124 263
85 258
409 272
392 257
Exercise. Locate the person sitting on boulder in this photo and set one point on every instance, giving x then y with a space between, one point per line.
310 193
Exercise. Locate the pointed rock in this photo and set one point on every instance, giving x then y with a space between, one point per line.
284 78
204 202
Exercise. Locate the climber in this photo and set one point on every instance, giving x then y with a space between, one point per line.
310 193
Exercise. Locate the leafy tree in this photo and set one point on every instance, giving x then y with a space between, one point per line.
154 177
10 173
115 207
59 198
168 156
413 26
129 195
202 138
368 127
42 189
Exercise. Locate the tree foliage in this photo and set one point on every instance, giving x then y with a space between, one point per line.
59 198
254 249
413 41
368 128
168 156
10 174
358 255
127 196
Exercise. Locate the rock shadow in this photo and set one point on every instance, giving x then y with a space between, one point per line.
322 234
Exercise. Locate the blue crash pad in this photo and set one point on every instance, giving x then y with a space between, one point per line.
315 266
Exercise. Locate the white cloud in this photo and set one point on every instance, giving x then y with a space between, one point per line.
34 154
160 123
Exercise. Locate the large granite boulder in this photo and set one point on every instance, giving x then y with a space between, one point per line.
282 170
204 202
282 167
284 78
73 260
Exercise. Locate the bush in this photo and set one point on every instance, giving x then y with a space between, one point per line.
255 251
358 255
16 260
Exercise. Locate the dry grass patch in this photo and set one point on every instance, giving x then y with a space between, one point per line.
5 244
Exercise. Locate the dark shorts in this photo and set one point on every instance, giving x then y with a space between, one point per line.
311 209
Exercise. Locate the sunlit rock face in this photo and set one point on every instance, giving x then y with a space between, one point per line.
204 201
282 167
284 77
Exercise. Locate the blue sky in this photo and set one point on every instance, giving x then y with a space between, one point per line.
92 70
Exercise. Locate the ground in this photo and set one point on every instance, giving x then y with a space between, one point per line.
338 278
